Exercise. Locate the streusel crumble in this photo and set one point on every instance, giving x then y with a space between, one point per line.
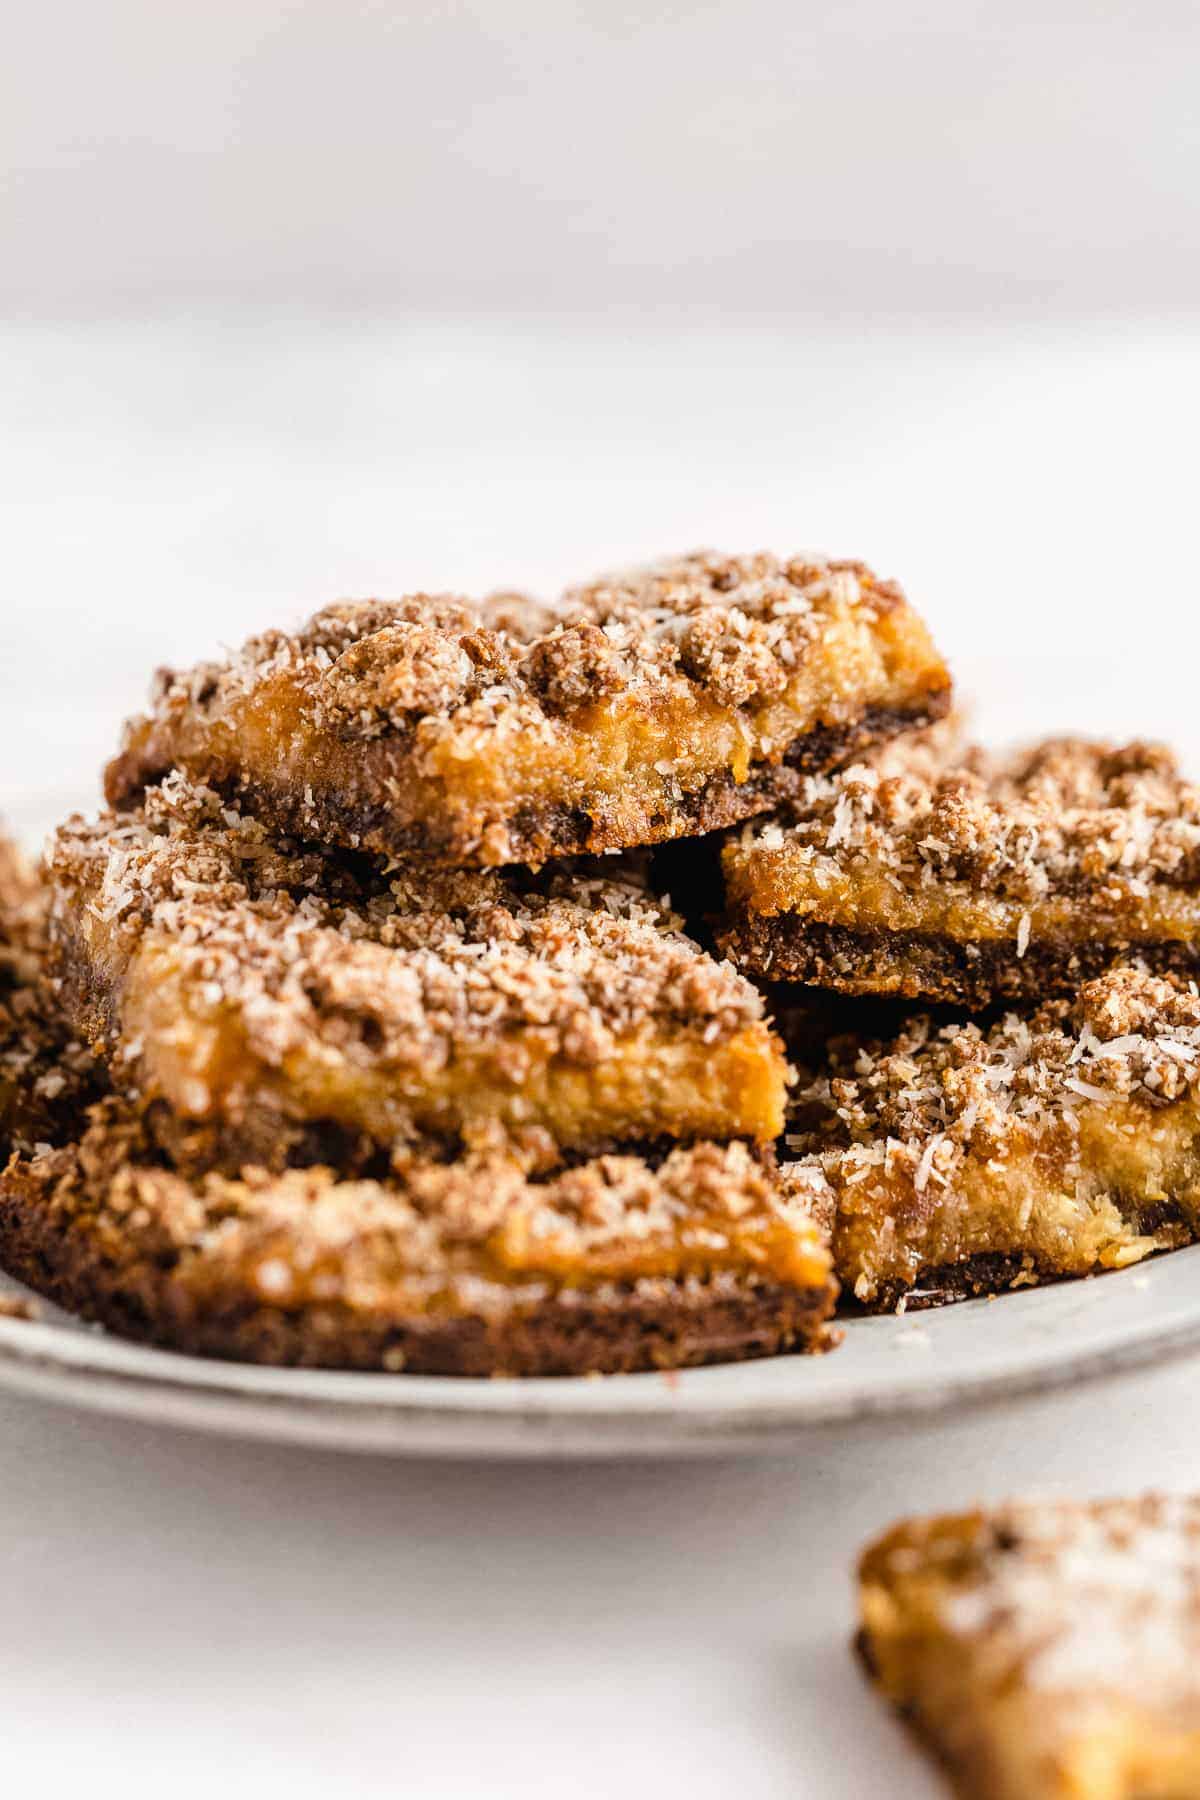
46 1074
1042 1651
654 705
470 1267
995 878
968 1157
246 980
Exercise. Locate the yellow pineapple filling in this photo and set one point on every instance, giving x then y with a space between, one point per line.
1064 1141
660 1082
1043 1651
1056 1207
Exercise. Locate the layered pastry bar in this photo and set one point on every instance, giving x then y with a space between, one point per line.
46 1074
473 1267
269 992
21 918
967 1158
650 706
1045 1652
993 878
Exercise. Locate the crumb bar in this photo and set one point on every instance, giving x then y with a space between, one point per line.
473 1267
990 879
965 1158
650 706
1045 1652
46 1074
241 979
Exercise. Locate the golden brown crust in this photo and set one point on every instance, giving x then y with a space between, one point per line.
248 980
656 704
472 1267
1045 1652
46 1074
967 878
15 1306
973 1156
20 917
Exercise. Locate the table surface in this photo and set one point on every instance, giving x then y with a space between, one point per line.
202 1613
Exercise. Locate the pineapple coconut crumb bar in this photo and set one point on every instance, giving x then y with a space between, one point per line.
1044 1651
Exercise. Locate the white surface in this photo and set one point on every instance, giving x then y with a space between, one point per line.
839 155
169 487
185 1617
203 1615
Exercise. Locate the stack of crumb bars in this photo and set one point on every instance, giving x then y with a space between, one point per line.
490 988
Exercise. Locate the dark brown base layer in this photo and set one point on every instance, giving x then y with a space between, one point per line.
534 834
938 969
572 1333
997 1272
969 1280
832 746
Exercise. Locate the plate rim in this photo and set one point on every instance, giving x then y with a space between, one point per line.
664 1415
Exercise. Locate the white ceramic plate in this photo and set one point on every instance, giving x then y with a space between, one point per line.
956 1356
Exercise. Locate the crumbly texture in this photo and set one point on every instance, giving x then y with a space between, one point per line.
244 980
20 918
1045 1652
15 1306
970 878
663 703
46 1074
966 1157
472 1267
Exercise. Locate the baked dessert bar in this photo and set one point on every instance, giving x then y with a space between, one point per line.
46 1074
20 918
474 1267
965 1158
659 704
1045 1652
264 989
991 879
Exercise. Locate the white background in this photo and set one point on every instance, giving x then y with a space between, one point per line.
302 301
186 1617
776 155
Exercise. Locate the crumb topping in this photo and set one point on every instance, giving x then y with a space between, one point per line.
45 1073
405 968
1078 1596
1064 815
437 1227
21 919
933 1096
734 627
737 626
671 701
15 1306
